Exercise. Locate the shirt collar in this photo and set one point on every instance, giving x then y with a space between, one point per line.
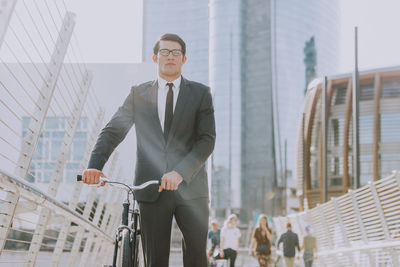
162 83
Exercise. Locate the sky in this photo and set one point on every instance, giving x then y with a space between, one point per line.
113 33
378 38
108 31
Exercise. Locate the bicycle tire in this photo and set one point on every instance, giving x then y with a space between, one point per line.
126 248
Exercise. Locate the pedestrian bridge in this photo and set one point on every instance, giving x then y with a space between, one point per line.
360 228
48 129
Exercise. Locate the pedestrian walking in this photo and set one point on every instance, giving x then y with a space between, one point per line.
261 241
310 246
290 242
230 235
214 236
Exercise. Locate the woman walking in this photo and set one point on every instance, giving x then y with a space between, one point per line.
261 241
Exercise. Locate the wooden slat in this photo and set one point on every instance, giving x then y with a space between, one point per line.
309 126
346 130
376 128
330 92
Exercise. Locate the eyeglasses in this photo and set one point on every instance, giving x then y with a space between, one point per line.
166 52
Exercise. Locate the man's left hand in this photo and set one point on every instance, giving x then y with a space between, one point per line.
170 181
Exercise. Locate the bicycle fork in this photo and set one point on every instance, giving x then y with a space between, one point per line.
136 231
125 214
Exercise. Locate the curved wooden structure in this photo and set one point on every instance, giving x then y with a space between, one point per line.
380 97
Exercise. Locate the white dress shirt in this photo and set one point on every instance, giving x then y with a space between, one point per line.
162 97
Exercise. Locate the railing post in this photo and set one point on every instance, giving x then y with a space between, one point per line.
59 168
361 224
77 189
379 209
321 212
358 216
6 216
106 198
36 123
47 90
69 134
94 132
80 232
382 218
114 223
6 10
342 229
90 237
397 176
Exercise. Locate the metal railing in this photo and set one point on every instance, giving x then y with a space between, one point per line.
360 228
47 131
61 240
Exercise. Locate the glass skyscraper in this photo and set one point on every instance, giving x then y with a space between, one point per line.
296 23
226 82
188 19
251 54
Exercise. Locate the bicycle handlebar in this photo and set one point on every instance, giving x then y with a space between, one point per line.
132 187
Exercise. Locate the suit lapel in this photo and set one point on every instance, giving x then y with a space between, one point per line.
154 112
183 96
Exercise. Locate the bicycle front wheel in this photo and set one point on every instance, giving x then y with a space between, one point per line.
126 248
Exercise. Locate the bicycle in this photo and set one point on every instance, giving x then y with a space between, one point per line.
128 235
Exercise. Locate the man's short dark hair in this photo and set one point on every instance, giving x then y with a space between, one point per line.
170 37
288 225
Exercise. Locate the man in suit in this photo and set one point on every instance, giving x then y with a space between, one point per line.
175 131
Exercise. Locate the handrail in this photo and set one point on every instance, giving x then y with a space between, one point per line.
360 227
32 193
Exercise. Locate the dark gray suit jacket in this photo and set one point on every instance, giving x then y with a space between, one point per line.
191 138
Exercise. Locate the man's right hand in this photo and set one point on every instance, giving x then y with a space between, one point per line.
91 176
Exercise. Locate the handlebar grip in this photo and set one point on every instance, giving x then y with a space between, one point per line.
79 177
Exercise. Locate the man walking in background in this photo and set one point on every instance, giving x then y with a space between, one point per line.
310 246
214 237
175 131
290 242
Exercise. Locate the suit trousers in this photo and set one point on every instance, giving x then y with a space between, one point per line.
156 222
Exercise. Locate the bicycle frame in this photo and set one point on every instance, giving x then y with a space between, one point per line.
124 225
130 250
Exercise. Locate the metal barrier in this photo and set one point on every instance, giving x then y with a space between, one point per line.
62 229
360 228
47 131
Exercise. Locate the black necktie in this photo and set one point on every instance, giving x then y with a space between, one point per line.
169 109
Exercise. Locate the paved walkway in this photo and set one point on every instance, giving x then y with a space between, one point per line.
243 260
44 260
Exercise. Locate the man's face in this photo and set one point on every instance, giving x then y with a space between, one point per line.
169 66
